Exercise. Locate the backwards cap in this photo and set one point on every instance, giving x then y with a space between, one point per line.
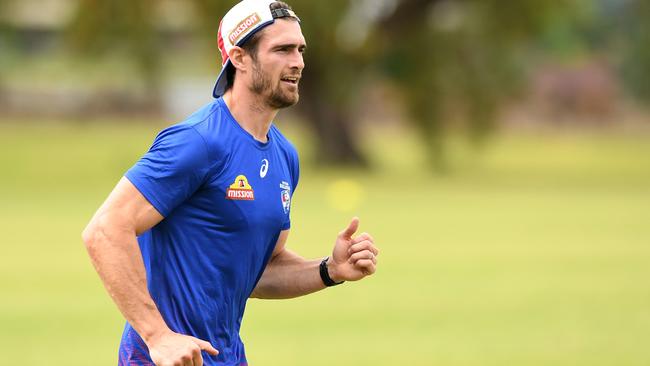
238 25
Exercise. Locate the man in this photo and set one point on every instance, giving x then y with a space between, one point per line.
200 223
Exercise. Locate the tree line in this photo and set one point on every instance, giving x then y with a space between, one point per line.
468 55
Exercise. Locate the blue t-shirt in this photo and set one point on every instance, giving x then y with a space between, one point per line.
225 197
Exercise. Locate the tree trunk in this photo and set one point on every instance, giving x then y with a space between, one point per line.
332 123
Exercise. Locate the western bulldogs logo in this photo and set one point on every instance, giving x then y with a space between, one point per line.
285 196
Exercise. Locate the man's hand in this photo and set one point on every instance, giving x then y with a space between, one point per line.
353 258
173 349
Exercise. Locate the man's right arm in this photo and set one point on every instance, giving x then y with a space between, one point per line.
111 241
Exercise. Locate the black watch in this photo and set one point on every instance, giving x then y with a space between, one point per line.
325 275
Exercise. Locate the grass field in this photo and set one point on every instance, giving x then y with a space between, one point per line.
535 252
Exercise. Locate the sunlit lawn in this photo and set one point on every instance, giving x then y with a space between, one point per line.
534 252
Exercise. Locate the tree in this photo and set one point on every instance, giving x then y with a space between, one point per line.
330 82
461 53
634 34
104 26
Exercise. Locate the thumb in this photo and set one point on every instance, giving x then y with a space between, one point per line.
206 346
351 229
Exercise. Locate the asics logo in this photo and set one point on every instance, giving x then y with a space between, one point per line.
264 168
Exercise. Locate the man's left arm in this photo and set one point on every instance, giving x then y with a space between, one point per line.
289 275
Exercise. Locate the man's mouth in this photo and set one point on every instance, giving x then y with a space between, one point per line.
291 79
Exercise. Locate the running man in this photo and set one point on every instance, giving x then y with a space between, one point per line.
200 223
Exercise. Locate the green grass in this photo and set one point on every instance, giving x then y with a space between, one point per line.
533 252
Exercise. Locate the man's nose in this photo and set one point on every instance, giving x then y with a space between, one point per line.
297 60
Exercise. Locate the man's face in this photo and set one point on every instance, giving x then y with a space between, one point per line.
278 66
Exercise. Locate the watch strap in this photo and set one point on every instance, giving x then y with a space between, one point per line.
325 275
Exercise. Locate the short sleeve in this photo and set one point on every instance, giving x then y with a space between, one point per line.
173 169
294 166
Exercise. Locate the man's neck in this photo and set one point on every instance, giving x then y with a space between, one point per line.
252 114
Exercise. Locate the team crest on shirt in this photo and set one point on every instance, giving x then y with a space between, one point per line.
240 190
285 196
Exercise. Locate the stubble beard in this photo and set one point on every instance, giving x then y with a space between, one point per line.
274 97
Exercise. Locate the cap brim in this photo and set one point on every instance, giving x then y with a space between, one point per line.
222 81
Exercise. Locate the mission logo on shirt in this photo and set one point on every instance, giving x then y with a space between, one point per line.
240 190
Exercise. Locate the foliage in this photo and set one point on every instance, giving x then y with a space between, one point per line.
454 62
636 53
459 55
100 27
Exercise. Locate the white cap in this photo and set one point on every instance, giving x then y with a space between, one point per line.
238 25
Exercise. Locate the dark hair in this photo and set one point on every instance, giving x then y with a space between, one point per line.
250 46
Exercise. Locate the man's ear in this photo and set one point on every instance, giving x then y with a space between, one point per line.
237 56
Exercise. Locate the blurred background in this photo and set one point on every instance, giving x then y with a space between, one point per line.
498 151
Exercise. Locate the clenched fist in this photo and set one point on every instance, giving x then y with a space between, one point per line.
173 349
